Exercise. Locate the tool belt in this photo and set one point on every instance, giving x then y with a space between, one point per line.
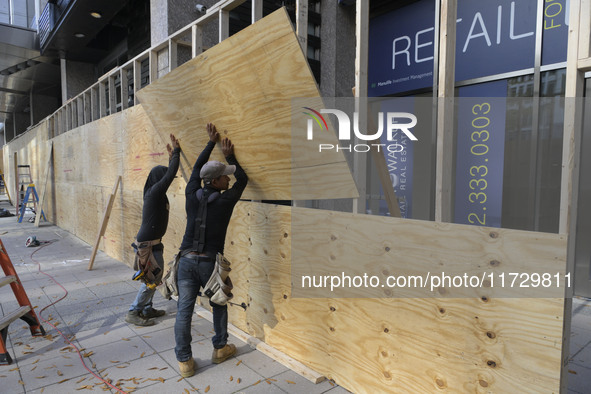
219 286
146 262
169 287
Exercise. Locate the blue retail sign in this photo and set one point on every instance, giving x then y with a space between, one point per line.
401 49
555 31
399 154
493 37
480 154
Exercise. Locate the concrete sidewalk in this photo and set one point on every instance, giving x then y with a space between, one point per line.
92 316
142 359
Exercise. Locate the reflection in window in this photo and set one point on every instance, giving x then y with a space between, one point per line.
533 153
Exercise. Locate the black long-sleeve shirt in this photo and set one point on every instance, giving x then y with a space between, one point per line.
156 207
219 211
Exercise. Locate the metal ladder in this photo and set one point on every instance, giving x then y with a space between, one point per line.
4 186
23 179
24 311
31 197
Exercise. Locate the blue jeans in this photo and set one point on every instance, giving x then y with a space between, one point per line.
193 273
143 300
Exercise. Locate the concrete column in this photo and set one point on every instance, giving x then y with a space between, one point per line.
337 54
38 12
168 16
64 77
158 20
31 110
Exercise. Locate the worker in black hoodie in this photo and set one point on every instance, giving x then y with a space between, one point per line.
149 248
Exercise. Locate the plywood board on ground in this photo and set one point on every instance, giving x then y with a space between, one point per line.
466 344
245 85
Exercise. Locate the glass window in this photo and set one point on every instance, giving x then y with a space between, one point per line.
531 159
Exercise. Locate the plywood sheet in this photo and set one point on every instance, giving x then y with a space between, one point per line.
327 243
144 148
245 85
470 344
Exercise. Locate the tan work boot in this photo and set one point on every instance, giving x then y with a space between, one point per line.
133 317
187 368
220 355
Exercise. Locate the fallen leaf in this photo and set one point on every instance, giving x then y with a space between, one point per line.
122 366
40 377
13 369
146 336
80 380
257 382
150 369
239 380
571 371
125 339
21 382
106 332
206 389
231 378
238 363
62 381
290 382
36 361
186 391
33 368
162 369
267 381
59 373
143 354
88 354
114 361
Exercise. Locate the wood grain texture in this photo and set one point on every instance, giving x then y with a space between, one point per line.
245 86
470 344
324 243
366 345
396 344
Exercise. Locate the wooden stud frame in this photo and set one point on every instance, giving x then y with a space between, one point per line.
577 60
302 24
361 54
124 88
445 93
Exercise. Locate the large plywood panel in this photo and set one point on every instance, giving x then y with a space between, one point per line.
145 148
325 243
245 85
31 149
106 153
471 344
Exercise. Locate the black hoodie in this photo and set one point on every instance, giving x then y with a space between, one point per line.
156 207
